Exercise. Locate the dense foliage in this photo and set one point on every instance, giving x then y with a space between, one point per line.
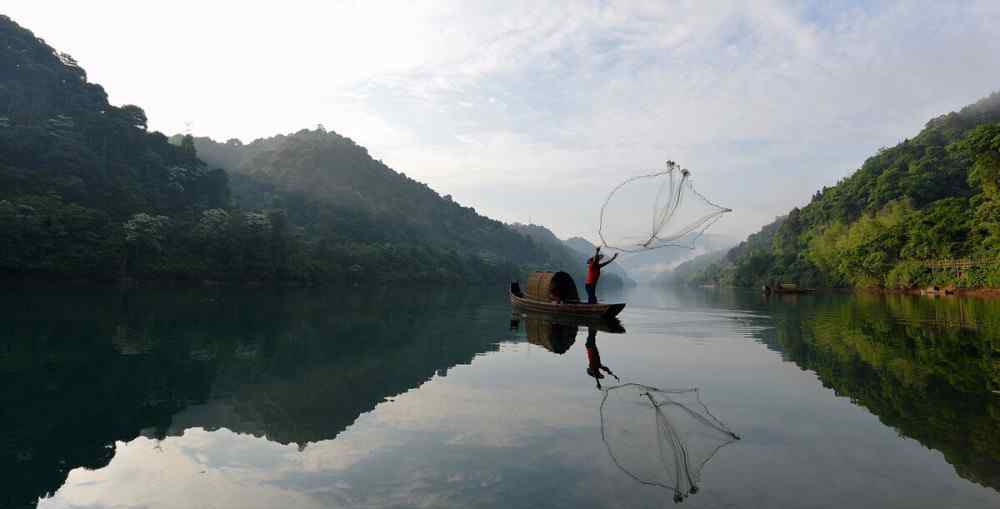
349 215
933 197
74 170
87 192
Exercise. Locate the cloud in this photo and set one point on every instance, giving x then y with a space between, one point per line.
507 104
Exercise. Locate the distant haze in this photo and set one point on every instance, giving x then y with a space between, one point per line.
532 111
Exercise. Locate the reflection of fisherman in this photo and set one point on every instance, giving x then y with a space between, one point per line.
594 366
594 267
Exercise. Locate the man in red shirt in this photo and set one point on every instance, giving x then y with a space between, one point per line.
594 266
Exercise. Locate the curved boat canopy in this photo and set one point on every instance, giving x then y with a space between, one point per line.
549 286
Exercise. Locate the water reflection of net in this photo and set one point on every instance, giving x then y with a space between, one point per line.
659 437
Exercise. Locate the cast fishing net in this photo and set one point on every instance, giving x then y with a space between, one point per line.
657 210
659 437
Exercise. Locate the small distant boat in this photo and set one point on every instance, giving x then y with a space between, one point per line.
555 293
938 290
786 288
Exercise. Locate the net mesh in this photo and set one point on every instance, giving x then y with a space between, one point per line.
659 437
657 210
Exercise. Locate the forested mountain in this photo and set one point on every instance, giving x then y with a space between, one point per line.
87 192
351 209
83 186
934 197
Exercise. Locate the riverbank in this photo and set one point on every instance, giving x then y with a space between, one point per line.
984 293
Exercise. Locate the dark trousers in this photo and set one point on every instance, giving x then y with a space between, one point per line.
591 293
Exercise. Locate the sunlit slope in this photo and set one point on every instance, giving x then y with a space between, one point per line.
930 198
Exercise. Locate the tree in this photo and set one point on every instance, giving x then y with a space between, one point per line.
134 116
144 233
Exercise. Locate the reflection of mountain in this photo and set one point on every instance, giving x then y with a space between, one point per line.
79 373
905 361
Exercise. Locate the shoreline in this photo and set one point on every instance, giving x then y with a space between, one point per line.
978 293
983 293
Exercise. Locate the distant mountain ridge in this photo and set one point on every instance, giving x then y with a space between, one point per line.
571 260
584 249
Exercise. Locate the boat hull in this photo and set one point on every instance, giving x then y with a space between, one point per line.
798 291
567 308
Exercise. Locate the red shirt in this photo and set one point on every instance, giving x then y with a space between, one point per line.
593 272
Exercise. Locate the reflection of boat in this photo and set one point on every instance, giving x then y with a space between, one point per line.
558 333
555 293
602 324
552 336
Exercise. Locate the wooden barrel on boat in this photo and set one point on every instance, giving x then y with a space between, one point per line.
550 286
554 337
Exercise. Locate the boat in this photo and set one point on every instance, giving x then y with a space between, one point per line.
785 289
938 290
555 293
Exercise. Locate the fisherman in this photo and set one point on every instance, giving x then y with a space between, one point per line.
594 366
594 267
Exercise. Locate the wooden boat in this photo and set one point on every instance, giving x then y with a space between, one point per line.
555 293
937 290
785 289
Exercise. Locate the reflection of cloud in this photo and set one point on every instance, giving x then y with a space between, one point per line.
443 444
199 468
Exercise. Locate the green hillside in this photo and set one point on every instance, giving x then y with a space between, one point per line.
930 198
350 210
86 192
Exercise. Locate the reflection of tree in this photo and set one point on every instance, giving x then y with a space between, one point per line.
292 367
924 367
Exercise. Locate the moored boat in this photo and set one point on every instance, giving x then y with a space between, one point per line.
785 289
555 293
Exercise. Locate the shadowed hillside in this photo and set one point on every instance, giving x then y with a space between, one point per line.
87 193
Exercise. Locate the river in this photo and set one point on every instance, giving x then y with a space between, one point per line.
429 398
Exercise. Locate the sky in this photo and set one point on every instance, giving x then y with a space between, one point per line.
533 111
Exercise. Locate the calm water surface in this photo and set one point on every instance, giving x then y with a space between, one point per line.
418 398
